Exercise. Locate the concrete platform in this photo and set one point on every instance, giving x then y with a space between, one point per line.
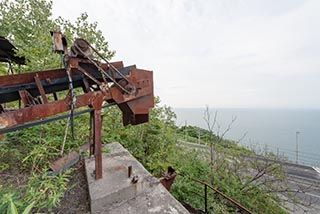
117 193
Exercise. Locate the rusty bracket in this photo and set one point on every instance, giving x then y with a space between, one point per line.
168 178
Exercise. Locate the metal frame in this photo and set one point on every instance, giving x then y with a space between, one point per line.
128 87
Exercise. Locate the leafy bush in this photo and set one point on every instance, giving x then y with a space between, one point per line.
10 204
45 190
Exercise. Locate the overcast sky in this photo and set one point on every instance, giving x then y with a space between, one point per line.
222 53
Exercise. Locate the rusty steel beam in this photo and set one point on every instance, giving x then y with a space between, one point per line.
40 111
41 90
47 75
55 83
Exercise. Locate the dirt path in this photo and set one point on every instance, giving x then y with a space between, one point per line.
76 198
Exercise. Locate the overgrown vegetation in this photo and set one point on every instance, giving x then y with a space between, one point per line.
26 154
160 143
155 145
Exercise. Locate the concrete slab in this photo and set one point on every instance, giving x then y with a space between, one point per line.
116 193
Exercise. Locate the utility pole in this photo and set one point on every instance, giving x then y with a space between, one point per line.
266 150
199 138
185 130
297 151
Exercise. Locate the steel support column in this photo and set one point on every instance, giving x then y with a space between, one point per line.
97 143
91 136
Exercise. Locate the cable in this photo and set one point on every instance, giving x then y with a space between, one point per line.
71 97
65 136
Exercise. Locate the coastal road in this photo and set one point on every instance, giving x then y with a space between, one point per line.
304 180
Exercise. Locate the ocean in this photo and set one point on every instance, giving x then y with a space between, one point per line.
276 130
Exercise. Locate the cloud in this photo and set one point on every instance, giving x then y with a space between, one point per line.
228 53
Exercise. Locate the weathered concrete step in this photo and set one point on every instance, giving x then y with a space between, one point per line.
117 193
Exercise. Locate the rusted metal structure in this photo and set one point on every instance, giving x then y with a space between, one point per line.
103 83
168 178
8 54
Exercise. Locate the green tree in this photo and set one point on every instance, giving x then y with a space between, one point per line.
27 24
151 143
257 183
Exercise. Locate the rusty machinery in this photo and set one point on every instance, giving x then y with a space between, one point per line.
103 83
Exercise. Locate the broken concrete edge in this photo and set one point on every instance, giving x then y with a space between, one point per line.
158 201
116 193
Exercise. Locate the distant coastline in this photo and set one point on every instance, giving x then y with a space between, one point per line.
274 129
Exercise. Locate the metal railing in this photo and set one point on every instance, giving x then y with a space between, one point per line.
235 203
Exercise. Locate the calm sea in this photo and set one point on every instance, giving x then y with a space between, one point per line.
276 130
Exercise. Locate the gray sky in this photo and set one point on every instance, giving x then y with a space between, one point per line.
222 53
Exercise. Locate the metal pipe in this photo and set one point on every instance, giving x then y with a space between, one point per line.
205 199
71 98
